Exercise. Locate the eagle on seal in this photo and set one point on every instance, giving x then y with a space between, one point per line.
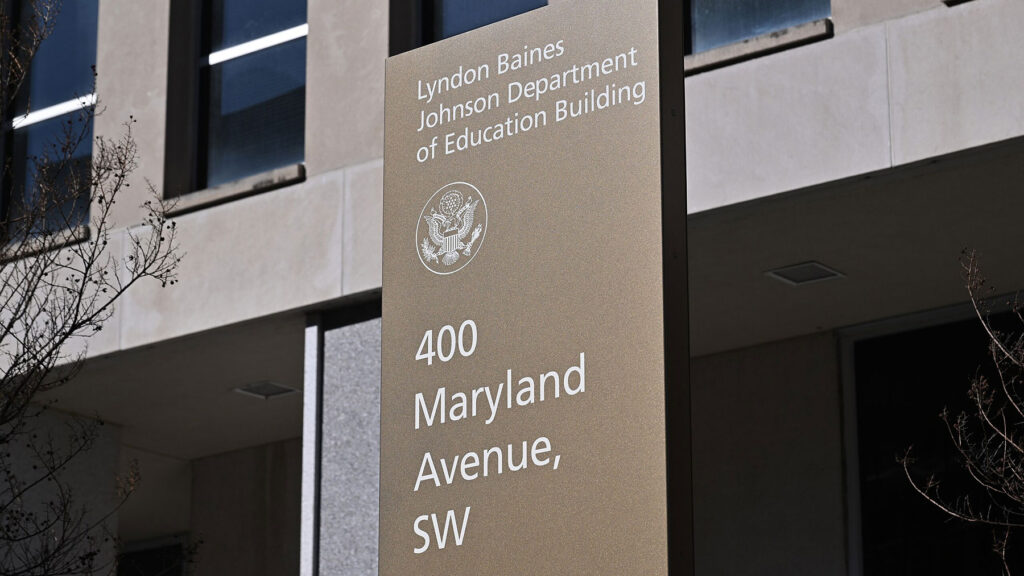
447 233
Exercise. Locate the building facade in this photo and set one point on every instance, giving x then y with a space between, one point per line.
840 155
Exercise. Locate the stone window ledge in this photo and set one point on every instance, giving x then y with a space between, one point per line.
248 186
758 46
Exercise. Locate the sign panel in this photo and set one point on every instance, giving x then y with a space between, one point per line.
522 402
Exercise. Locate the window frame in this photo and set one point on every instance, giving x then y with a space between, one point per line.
416 23
689 23
186 130
847 340
11 124
752 47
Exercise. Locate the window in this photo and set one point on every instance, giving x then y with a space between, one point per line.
715 23
457 16
420 22
49 138
903 381
252 85
169 559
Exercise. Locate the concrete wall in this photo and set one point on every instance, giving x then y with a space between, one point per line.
767 460
348 42
931 83
245 259
160 506
245 511
131 82
901 81
851 14
350 461
88 482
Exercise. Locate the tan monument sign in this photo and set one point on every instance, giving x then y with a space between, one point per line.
523 427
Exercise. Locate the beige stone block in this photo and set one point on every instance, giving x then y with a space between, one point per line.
131 67
253 257
364 221
788 120
850 14
85 343
345 53
956 78
108 339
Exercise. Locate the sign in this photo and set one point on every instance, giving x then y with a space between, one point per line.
523 384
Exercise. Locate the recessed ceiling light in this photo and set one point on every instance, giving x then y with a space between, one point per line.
265 390
804 273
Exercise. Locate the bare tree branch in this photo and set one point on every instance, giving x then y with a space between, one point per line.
988 437
59 282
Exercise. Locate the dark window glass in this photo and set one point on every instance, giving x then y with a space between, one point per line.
458 16
46 175
903 382
719 22
256 113
62 67
163 561
236 21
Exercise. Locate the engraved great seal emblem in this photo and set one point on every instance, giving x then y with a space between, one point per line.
451 228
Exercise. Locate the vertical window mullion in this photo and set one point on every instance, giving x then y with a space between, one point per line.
203 127
6 173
